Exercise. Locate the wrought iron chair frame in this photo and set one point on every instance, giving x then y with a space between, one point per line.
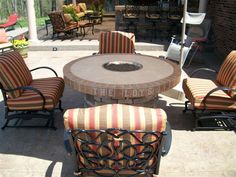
220 119
162 144
29 114
64 25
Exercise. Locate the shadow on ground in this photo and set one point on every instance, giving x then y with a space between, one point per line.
48 145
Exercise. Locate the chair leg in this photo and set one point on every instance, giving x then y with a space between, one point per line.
52 126
190 61
186 106
5 125
60 107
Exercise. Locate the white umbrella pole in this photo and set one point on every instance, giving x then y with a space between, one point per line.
183 33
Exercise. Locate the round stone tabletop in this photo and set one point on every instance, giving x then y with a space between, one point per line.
88 75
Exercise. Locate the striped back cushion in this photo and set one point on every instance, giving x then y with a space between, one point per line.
123 147
14 72
116 116
227 73
116 42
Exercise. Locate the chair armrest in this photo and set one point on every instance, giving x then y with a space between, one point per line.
214 90
167 140
45 67
28 88
202 69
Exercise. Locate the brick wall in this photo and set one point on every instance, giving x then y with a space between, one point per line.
223 15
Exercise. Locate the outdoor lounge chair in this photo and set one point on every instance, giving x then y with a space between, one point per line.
26 98
11 22
199 34
117 140
214 96
60 25
116 42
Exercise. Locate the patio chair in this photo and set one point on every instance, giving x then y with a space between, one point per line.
24 97
199 35
116 42
11 22
174 49
217 97
60 25
117 140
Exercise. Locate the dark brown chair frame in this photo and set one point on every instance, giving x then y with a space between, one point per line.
65 28
29 114
152 149
213 119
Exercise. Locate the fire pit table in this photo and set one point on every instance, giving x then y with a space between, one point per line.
121 78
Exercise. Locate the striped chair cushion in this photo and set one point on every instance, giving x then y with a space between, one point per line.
52 89
14 72
227 73
116 42
195 90
116 116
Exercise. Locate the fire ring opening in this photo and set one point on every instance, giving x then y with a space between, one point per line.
122 66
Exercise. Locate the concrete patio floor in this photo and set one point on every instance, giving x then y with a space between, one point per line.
40 152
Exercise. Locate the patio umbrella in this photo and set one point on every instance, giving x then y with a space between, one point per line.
188 18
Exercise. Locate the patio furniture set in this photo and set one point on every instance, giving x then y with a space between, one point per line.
111 138
81 18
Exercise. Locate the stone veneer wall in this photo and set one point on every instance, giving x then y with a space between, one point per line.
223 15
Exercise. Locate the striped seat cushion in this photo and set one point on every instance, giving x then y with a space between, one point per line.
227 73
52 89
195 90
14 72
116 42
116 116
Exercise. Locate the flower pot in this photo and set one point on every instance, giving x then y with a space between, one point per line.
23 51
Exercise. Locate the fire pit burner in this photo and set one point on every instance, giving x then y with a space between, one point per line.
122 66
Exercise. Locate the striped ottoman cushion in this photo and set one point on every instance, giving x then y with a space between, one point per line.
52 89
14 72
116 42
227 73
116 116
195 90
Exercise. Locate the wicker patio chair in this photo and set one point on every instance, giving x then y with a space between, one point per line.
60 25
218 97
117 140
24 97
116 42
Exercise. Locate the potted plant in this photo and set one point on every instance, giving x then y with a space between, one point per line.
22 46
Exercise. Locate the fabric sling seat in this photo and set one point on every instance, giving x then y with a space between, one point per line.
24 95
118 139
218 95
116 42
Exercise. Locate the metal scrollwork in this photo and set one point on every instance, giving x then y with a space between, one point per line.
117 152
